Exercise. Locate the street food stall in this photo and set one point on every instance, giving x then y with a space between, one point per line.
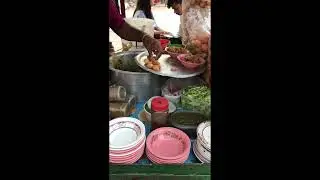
160 110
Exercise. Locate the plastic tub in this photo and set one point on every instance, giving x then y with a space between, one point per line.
172 88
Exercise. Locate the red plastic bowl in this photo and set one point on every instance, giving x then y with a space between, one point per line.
160 139
164 43
188 64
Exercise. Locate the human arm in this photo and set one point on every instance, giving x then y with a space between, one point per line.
127 32
130 33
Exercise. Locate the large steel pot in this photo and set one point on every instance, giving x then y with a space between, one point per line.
143 85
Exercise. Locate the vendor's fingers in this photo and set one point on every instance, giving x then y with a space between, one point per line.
158 55
150 53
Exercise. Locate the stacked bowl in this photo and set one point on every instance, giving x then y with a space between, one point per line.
168 145
202 145
126 140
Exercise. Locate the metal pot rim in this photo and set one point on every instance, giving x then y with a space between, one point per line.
126 72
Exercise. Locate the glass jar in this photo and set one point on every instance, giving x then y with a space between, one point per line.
159 112
117 93
119 109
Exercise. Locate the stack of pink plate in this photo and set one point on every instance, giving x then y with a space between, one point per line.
168 145
126 140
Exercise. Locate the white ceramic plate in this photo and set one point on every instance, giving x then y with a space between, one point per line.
204 134
169 66
125 132
172 107
128 161
142 145
204 152
197 154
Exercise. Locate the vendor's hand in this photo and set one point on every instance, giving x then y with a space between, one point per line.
153 46
168 33
111 50
163 33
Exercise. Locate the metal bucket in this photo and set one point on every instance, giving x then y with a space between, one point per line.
143 85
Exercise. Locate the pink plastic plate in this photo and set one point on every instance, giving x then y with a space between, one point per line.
168 143
181 161
154 159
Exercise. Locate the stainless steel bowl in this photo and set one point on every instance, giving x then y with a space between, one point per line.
143 85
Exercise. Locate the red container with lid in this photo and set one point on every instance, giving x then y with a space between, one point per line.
159 112
164 43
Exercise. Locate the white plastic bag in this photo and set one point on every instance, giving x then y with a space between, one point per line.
198 3
196 26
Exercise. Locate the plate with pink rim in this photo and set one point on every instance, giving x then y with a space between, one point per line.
125 133
127 158
127 150
128 161
128 154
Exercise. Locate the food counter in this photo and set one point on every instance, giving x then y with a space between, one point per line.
145 169
140 77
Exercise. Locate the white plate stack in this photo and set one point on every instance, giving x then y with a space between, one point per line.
202 145
126 140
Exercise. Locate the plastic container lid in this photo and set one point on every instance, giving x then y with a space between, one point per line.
160 104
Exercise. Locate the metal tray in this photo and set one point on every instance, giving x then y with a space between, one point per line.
167 64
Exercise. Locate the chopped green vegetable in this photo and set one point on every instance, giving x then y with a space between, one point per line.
197 98
119 64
